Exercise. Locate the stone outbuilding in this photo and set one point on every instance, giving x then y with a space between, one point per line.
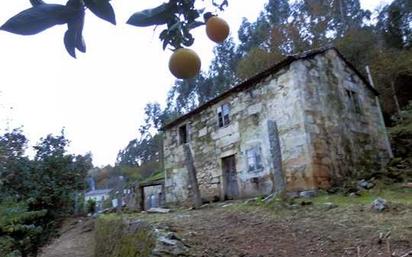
306 123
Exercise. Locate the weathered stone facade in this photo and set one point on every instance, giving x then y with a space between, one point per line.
318 108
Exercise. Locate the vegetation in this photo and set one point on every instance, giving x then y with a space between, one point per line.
36 193
401 139
117 237
401 133
91 206
179 17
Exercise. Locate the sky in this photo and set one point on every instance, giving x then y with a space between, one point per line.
99 97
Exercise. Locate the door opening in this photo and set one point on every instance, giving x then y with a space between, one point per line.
230 185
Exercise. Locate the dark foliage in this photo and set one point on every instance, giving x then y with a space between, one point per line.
36 193
179 17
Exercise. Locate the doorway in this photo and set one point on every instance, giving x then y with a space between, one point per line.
230 185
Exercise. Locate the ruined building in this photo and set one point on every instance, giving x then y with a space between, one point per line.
305 123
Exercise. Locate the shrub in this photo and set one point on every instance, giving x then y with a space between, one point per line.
91 206
117 237
20 229
401 133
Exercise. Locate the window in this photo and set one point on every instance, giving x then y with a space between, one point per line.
254 160
353 101
223 115
183 135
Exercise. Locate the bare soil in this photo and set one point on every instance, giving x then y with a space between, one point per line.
253 230
306 231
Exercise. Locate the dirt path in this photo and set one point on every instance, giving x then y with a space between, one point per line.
76 240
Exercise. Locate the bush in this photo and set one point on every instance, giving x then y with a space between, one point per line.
116 237
91 206
20 229
401 133
401 139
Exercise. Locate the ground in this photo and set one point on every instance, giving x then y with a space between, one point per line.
304 227
76 240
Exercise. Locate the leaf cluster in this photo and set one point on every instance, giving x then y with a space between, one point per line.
180 17
20 228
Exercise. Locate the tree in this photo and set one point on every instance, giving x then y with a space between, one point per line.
179 16
395 24
15 167
36 193
57 175
147 147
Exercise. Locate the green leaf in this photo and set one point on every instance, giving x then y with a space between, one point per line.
38 18
36 2
156 16
102 9
73 38
194 24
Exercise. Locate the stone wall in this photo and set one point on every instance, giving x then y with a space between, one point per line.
277 99
343 141
321 142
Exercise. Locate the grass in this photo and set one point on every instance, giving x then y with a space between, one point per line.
156 176
393 194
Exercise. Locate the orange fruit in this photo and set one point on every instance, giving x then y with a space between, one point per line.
217 29
184 63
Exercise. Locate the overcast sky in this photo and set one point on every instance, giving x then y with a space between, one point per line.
99 97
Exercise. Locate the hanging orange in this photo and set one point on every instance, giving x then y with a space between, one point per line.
184 63
217 29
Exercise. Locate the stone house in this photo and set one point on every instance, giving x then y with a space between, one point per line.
306 123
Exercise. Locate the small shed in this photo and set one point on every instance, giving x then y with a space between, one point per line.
152 194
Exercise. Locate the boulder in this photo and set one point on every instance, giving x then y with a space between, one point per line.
364 184
168 244
379 205
329 206
307 194
158 210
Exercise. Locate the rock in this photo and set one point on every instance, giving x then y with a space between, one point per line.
379 205
251 200
354 194
227 205
307 194
329 206
364 184
407 185
168 244
292 195
158 210
204 206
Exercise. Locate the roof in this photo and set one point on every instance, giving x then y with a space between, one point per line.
98 192
264 74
